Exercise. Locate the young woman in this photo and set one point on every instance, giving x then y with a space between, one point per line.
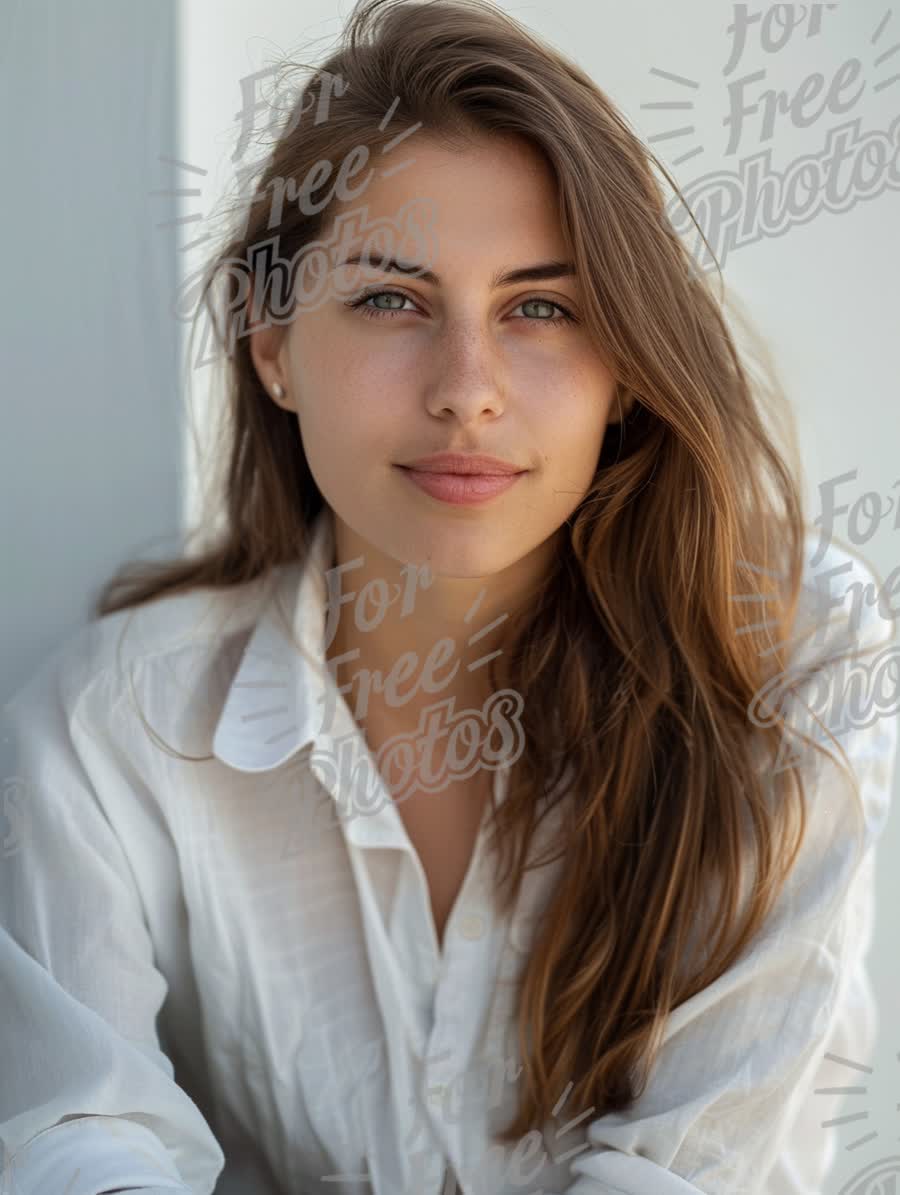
447 822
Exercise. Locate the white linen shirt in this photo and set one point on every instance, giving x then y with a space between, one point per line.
213 977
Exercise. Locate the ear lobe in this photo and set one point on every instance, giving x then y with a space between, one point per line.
265 353
283 400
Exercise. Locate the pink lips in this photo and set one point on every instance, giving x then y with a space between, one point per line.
461 489
462 478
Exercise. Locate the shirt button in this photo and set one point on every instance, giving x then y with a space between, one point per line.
436 1094
472 926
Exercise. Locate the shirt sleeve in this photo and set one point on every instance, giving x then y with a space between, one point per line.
88 1101
802 1165
732 1101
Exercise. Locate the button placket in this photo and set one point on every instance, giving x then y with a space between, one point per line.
437 1069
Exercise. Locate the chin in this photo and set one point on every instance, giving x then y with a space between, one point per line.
456 552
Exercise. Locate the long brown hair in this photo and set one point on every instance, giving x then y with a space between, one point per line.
637 665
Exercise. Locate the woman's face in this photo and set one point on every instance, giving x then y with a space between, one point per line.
458 364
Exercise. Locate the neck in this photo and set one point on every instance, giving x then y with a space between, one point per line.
434 641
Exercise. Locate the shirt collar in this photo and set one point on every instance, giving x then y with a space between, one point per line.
272 708
275 703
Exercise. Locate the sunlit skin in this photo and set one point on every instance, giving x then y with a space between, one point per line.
462 366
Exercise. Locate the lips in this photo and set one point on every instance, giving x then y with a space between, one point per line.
464 464
461 489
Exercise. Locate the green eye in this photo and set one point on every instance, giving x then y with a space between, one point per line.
566 316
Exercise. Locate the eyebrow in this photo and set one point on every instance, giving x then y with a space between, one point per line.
541 272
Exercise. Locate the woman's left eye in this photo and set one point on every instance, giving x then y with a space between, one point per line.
362 301
566 318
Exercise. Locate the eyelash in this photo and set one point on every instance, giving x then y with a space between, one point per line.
380 312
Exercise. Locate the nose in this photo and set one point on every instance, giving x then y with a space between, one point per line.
467 378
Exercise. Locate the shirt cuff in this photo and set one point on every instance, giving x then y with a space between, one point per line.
93 1154
611 1172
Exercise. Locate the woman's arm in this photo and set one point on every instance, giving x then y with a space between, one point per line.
88 1101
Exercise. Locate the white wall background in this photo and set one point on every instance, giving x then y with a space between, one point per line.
96 459
90 409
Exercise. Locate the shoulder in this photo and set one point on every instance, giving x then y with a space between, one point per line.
835 698
165 642
843 675
842 625
844 599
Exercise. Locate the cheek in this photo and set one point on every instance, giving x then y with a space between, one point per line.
347 376
349 423
582 453
572 411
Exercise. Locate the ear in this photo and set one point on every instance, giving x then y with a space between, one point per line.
268 351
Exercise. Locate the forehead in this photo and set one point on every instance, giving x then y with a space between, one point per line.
497 194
